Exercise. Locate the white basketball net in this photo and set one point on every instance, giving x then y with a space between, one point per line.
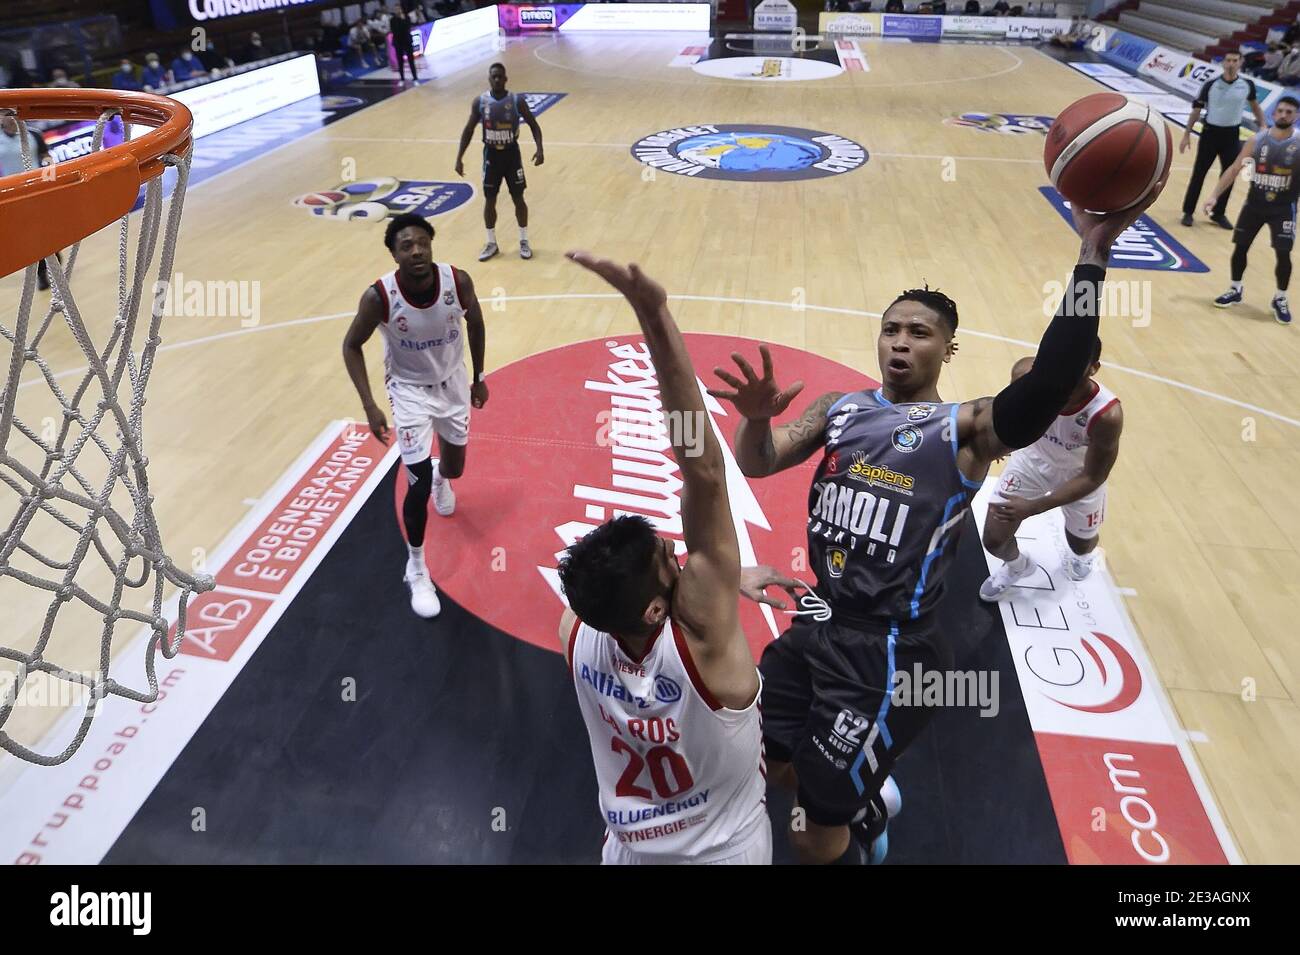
66 504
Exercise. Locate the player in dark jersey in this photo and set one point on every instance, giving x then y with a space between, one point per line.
898 470
1271 201
500 112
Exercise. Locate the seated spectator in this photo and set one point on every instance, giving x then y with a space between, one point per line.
154 76
1288 71
1001 8
359 42
1017 11
216 61
255 50
187 66
940 7
893 6
124 78
1267 69
1292 33
59 78
972 7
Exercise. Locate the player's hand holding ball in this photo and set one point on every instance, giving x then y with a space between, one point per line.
1109 156
757 399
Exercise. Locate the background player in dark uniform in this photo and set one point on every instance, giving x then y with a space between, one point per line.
499 113
899 468
1222 100
1271 202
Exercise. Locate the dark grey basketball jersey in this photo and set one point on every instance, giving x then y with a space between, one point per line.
1275 180
499 118
886 505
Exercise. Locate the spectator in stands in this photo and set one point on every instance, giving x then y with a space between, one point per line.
124 78
1001 8
893 6
1292 32
216 61
1267 69
359 42
11 162
187 66
972 7
154 75
59 78
1288 71
255 50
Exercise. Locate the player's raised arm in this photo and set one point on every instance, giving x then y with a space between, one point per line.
761 449
370 312
711 578
1021 413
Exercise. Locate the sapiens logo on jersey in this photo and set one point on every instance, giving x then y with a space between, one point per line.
1012 123
377 199
1104 677
907 438
667 690
1143 245
592 455
750 153
863 470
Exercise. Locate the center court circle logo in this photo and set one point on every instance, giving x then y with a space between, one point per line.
558 451
749 153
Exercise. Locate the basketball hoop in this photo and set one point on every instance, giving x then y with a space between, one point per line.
42 211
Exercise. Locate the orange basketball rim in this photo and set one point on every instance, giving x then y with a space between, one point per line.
50 208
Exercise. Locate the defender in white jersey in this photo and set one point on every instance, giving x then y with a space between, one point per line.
665 678
1067 468
424 311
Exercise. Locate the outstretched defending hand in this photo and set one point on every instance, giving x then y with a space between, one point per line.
757 399
645 294
755 580
1100 230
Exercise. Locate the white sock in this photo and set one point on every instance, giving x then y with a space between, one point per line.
1019 564
416 555
1279 294
1236 286
492 236
523 233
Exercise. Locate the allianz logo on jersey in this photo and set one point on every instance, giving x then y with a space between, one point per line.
1143 245
666 689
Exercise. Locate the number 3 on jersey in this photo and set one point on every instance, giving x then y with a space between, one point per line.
663 762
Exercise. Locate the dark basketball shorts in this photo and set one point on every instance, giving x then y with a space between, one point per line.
1280 222
503 165
829 708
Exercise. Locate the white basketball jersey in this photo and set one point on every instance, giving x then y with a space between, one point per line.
681 777
1061 451
423 346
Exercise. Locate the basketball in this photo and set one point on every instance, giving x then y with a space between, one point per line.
1106 151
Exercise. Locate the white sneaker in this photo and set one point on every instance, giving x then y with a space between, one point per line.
1002 579
1078 567
424 598
444 498
525 250
489 250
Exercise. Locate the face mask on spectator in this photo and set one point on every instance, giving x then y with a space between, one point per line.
187 56
126 67
153 64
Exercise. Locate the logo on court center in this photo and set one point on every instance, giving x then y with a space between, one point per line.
377 199
1012 123
749 153
595 451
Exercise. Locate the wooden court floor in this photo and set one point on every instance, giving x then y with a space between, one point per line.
1201 527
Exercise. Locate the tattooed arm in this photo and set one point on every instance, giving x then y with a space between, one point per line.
762 450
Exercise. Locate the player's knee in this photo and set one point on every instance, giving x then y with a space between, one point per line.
452 468
420 478
819 845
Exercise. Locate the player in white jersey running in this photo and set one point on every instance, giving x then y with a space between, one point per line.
1067 468
424 311
665 679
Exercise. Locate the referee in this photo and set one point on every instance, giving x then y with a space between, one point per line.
1226 97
